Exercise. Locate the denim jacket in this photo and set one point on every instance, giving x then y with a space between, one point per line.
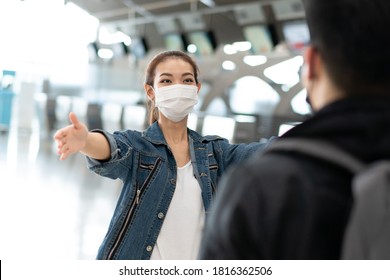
147 168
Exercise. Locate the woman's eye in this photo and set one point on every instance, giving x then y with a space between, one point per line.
165 81
190 81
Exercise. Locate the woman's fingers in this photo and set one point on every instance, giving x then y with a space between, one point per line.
64 155
59 134
64 151
74 120
61 147
61 141
67 138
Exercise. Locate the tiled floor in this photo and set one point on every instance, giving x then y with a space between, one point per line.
49 208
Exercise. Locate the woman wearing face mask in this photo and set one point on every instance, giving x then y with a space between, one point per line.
169 172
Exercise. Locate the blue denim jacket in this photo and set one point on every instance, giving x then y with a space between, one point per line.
145 164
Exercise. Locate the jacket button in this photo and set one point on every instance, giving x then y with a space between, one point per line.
161 215
173 181
149 248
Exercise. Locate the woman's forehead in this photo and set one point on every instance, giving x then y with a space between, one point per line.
174 65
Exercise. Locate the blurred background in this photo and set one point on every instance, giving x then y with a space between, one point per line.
89 56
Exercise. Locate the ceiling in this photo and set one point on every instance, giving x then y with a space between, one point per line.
151 18
118 10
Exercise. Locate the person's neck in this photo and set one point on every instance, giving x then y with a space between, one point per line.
174 133
325 93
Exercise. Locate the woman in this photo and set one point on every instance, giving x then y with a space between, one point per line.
169 172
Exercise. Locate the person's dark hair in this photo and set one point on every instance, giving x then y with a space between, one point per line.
151 72
353 38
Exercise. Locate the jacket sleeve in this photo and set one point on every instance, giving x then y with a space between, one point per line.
236 153
120 162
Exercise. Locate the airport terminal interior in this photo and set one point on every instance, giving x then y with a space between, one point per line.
89 57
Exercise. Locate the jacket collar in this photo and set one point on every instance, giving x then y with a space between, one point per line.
154 135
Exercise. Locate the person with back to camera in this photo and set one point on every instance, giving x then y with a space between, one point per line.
288 205
169 172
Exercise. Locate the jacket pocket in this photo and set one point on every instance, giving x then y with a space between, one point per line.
141 186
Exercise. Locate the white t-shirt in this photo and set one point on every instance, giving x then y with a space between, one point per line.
181 232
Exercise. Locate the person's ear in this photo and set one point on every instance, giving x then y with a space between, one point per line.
149 91
199 86
309 68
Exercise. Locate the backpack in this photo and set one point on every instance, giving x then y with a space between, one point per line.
367 235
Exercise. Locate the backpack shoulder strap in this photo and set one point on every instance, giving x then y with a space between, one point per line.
367 234
319 149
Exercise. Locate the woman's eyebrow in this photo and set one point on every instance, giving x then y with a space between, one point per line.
166 74
170 75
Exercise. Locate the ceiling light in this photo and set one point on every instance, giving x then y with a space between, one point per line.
242 46
105 53
255 60
192 48
229 49
229 65
208 3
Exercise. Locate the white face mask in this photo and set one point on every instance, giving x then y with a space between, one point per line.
176 101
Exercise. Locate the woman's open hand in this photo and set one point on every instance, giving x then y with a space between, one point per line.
72 138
